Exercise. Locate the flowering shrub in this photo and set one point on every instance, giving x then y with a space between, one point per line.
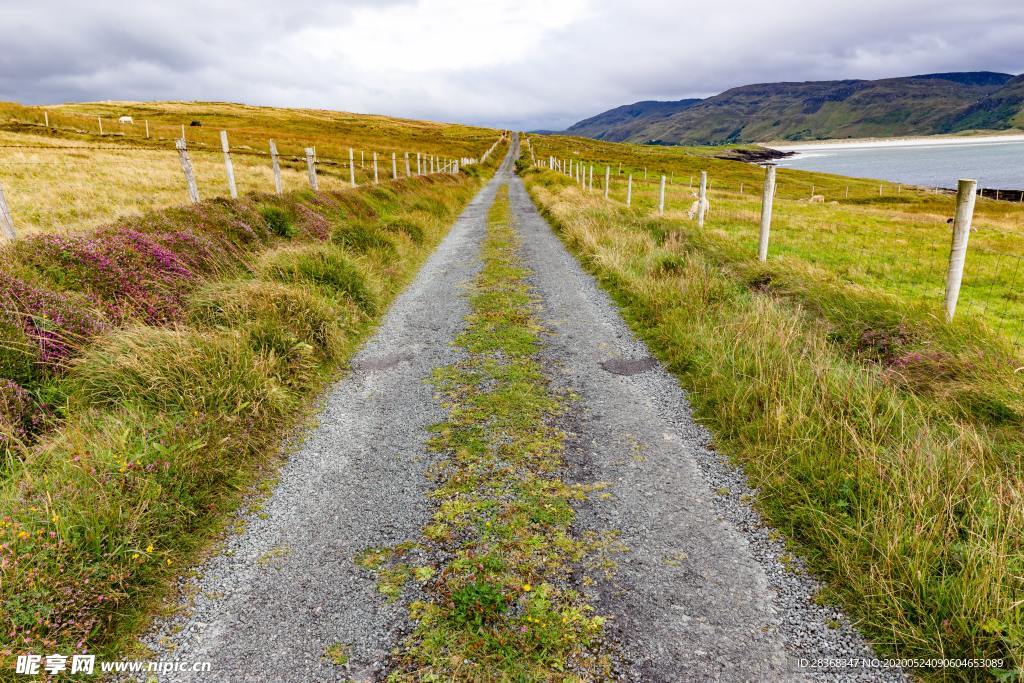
129 273
57 322
313 224
20 418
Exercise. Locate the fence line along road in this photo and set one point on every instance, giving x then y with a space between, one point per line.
962 223
444 164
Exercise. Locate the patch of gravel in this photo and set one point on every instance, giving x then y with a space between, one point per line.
703 592
268 605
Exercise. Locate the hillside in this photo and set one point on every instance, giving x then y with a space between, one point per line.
914 105
622 122
67 175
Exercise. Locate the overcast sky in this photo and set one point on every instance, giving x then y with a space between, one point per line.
517 63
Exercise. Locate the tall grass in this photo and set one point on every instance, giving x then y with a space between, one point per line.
896 240
153 426
886 445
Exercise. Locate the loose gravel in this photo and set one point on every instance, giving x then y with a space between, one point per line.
703 592
700 591
278 595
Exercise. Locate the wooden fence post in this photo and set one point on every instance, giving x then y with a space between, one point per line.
766 211
311 167
6 222
661 198
183 131
100 121
629 190
591 177
46 118
228 166
147 129
351 167
275 164
376 178
419 169
394 167
362 159
702 199
186 168
965 198
408 171
607 175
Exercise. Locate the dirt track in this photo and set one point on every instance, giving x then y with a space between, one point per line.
699 595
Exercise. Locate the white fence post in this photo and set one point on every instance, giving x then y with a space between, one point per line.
591 177
661 198
311 167
408 171
607 175
351 167
702 199
766 211
228 166
46 118
6 222
186 168
419 168
394 167
376 178
629 190
275 165
965 198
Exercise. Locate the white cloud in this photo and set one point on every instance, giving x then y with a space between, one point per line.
531 63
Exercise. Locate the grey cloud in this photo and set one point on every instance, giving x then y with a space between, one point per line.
613 53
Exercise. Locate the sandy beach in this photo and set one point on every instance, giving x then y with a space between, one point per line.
865 143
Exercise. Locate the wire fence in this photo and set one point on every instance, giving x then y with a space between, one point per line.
157 164
906 254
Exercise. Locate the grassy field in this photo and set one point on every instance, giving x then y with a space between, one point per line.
895 241
884 443
68 176
150 369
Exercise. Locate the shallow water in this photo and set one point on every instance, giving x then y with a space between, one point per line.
993 164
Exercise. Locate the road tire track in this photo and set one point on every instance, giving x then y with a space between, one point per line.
277 596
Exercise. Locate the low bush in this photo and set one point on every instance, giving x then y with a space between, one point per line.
325 266
280 221
361 238
281 315
407 226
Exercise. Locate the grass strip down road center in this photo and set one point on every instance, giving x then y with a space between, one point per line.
500 605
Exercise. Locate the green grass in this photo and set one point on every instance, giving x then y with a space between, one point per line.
886 445
158 429
501 606
895 242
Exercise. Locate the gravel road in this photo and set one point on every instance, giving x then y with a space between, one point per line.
700 594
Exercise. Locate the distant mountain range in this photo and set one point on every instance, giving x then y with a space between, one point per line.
815 110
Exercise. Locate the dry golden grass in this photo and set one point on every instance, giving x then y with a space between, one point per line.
68 177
